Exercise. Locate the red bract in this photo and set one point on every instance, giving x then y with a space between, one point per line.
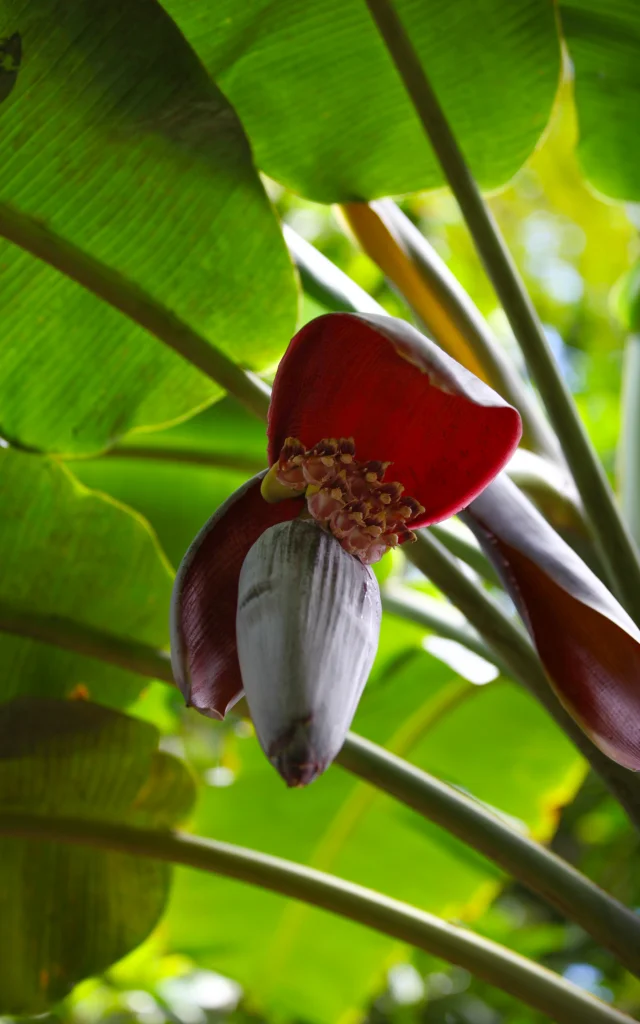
205 596
403 401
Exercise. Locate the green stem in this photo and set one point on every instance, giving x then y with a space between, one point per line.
514 649
611 924
467 551
413 606
325 282
476 826
501 633
112 287
629 453
522 978
615 541
553 493
92 643
220 460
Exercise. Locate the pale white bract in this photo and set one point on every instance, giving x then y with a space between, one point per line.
307 631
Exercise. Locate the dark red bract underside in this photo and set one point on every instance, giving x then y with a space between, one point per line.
205 617
594 665
402 400
589 646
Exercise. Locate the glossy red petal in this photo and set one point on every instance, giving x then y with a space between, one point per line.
589 646
402 399
205 596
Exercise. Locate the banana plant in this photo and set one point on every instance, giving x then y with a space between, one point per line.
152 327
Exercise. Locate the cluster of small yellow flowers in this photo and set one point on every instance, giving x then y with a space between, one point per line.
367 514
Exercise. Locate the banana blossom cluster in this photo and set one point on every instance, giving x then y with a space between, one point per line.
373 432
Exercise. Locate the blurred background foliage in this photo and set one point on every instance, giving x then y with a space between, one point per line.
220 944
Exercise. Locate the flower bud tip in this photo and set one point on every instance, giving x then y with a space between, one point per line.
293 754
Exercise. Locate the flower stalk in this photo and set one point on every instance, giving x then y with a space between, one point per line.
429 796
532 984
537 868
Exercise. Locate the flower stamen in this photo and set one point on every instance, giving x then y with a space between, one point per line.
290 465
367 514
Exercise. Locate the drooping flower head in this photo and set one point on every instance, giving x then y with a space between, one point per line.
373 432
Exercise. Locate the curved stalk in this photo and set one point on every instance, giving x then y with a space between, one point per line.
92 643
610 530
415 607
325 282
466 551
517 653
629 446
193 456
112 287
522 978
559 884
609 922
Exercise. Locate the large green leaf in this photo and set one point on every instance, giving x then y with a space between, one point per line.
115 137
158 474
603 37
177 499
326 112
67 912
225 434
297 963
68 552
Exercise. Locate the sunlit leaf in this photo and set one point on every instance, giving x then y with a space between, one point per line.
68 552
326 112
177 478
116 139
603 37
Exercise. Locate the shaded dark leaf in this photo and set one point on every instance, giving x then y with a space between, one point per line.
10 57
69 912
